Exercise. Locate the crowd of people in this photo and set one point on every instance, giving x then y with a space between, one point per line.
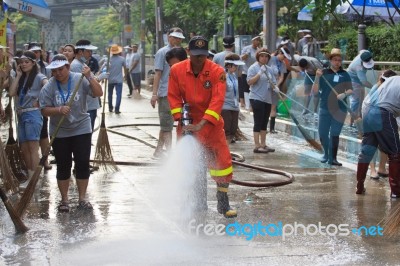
217 86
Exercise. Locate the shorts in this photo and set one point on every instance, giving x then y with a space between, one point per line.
135 79
164 113
29 126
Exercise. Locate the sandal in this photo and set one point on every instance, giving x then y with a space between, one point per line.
260 150
268 149
383 174
85 206
63 207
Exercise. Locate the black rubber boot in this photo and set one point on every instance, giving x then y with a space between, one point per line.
223 201
272 126
335 147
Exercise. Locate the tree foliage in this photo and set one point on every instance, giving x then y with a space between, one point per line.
27 28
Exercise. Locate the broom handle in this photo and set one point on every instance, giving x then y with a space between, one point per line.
30 189
105 83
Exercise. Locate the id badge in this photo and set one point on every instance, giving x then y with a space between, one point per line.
236 102
336 78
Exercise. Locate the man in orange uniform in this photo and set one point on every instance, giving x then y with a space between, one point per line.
202 84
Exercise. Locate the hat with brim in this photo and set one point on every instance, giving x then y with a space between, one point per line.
115 49
335 52
127 47
198 45
366 58
308 36
86 47
285 42
135 45
286 54
28 57
177 34
211 53
235 62
258 37
307 31
57 64
35 48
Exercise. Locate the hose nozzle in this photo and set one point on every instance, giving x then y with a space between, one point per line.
186 120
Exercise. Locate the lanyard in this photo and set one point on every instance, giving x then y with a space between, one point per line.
22 93
62 93
234 84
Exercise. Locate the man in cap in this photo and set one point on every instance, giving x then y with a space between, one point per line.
160 91
311 47
229 43
202 84
248 56
358 73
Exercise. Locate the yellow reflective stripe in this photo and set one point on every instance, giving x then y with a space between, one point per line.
176 110
212 113
223 172
223 189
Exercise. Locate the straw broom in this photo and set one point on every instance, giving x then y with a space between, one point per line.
6 173
391 223
103 156
19 225
13 152
30 189
302 130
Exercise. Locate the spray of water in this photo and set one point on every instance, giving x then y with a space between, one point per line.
182 189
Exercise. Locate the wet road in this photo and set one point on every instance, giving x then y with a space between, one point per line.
138 217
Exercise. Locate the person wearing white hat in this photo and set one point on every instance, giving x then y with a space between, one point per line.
358 73
160 92
82 56
231 108
26 86
73 139
44 134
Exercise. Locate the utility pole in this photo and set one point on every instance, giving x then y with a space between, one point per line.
269 24
228 23
159 24
143 39
127 21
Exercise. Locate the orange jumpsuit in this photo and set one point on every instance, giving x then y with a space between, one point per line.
205 95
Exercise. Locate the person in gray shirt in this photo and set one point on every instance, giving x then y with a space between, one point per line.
381 129
229 44
116 79
160 91
73 139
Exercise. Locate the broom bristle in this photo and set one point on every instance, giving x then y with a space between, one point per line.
103 155
239 135
6 173
391 223
17 164
19 225
28 192
15 159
